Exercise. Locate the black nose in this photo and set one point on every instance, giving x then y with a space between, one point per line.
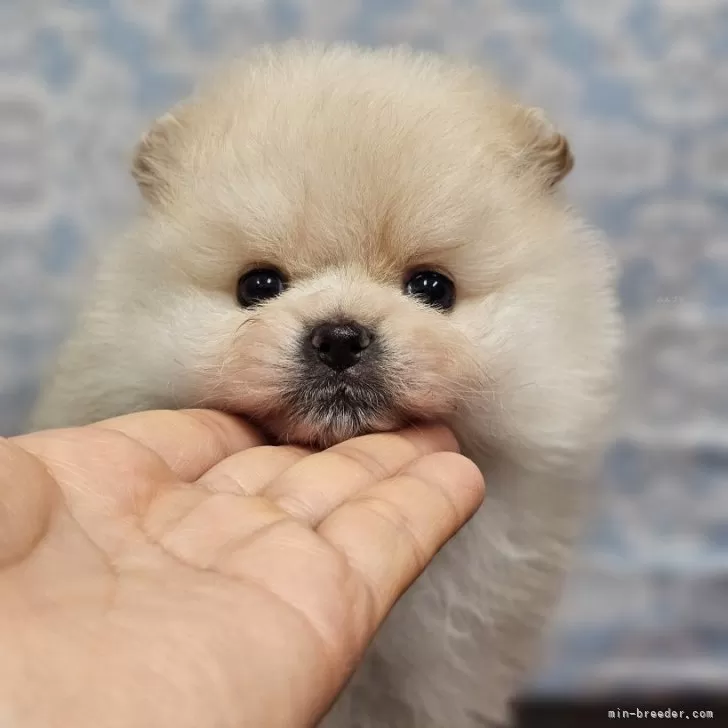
340 346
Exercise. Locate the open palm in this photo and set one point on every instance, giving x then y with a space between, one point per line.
168 569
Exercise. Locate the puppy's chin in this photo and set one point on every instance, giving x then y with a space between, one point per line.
327 421
319 434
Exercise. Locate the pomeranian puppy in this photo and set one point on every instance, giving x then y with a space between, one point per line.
337 241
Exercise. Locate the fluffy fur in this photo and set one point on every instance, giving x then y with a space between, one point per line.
347 168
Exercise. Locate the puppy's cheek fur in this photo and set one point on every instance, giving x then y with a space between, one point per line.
224 357
260 360
434 369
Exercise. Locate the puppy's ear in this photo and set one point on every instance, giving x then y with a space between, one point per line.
156 159
544 150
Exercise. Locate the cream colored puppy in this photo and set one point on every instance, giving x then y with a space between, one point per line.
337 241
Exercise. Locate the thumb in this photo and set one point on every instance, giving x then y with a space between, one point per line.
27 495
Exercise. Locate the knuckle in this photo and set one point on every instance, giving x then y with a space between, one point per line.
361 459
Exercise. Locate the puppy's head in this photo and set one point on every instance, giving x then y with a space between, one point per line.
339 241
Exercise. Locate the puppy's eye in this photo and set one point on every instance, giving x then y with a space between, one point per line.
432 288
260 285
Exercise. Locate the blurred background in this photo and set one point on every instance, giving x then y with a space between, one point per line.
641 89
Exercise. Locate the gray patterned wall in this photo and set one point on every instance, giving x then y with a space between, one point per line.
641 86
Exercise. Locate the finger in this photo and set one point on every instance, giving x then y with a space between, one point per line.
248 472
318 484
27 497
189 441
391 531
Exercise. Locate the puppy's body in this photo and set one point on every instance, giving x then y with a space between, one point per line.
349 171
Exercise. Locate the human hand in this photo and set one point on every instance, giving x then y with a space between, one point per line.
167 569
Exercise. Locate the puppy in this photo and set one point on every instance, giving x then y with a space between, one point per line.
337 241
